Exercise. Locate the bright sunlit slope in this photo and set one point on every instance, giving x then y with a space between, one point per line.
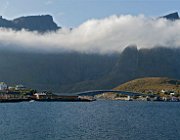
151 84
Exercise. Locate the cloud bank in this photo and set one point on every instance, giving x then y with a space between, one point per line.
108 35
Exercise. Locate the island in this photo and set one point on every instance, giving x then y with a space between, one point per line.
149 89
20 93
142 89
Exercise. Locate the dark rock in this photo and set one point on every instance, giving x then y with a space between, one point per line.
172 16
41 23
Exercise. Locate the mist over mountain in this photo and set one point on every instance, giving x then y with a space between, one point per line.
92 56
98 36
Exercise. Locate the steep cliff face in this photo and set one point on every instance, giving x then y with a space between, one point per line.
133 63
159 62
41 23
156 62
126 67
128 61
77 72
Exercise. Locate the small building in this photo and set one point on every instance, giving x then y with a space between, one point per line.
129 98
3 86
20 87
167 92
11 88
40 95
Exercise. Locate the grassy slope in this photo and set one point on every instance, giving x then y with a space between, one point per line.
154 84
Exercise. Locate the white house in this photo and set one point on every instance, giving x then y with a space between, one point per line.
3 86
172 93
40 95
20 87
163 91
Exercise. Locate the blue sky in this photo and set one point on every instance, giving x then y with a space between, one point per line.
71 13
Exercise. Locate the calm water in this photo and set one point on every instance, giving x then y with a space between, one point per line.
100 120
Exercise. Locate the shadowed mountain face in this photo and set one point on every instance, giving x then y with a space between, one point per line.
42 23
54 72
148 63
72 72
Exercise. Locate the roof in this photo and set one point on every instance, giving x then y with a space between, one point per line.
40 94
20 86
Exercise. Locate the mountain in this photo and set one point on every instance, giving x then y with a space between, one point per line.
73 72
41 23
56 72
151 84
172 16
45 23
133 63
156 62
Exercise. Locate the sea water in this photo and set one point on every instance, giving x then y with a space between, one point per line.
99 120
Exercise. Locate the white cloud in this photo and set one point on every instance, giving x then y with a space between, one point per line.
111 34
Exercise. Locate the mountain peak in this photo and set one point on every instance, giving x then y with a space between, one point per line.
40 23
172 16
42 17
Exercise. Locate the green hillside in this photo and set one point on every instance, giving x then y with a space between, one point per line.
151 84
